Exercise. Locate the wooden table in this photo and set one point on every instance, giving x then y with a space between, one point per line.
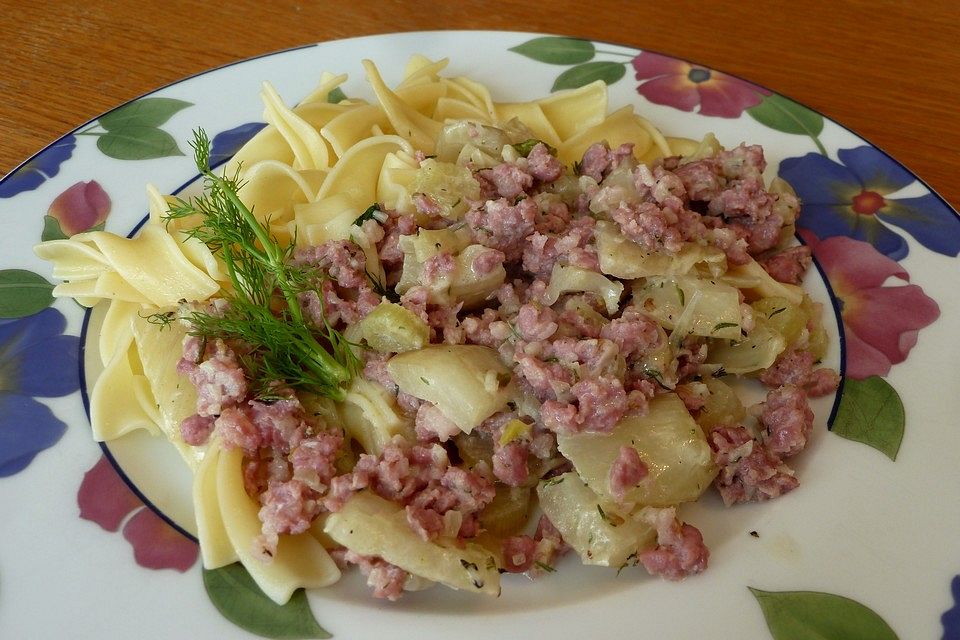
887 69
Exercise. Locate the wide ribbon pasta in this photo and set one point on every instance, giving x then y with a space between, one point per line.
150 268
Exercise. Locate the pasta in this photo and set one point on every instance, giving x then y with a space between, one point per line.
98 265
529 305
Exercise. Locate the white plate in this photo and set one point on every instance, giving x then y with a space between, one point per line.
863 527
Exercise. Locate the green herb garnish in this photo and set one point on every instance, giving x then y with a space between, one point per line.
724 325
657 376
630 561
336 96
524 148
263 311
370 214
544 566
605 517
381 289
161 319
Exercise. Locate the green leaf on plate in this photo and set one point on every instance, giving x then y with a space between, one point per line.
235 594
136 142
812 615
335 96
23 293
145 112
583 74
556 50
52 230
783 114
871 412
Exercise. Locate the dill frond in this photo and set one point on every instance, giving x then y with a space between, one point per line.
264 309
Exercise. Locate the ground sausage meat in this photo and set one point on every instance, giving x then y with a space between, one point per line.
516 267
787 419
680 550
387 580
749 471
215 373
626 472
422 478
796 367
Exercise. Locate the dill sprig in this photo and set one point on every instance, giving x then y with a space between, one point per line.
381 289
263 311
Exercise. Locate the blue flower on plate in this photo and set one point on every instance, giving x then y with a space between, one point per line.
850 198
226 143
38 169
951 617
36 361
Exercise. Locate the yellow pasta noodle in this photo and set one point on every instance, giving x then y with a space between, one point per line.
420 130
300 561
619 127
215 546
121 401
572 111
159 350
309 149
100 265
357 174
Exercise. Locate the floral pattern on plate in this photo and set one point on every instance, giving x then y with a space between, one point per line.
82 207
853 218
104 498
853 198
679 84
38 169
858 274
36 361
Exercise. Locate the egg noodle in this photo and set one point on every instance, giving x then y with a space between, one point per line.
310 177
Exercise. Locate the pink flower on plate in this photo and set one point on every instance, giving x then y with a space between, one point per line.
82 207
880 322
679 84
104 498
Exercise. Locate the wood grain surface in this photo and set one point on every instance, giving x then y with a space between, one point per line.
886 69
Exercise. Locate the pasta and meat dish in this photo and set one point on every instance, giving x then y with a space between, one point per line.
443 338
